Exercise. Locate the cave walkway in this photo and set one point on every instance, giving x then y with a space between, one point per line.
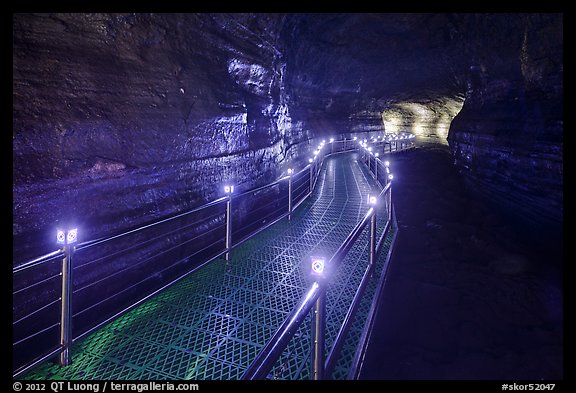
214 322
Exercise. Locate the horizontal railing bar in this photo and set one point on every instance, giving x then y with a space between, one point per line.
263 218
299 203
132 306
38 360
37 261
300 172
36 311
34 335
102 240
357 361
125 250
141 262
258 189
37 283
302 186
264 206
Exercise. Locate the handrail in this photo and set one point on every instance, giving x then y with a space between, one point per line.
37 261
265 360
349 317
261 366
276 345
41 259
304 190
94 242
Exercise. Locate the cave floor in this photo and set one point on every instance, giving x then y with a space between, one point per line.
468 295
213 323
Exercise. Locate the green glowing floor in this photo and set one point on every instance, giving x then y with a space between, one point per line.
212 324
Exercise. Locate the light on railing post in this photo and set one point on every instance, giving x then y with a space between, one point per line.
67 239
228 190
290 171
387 167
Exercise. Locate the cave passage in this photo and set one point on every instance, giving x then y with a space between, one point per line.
129 126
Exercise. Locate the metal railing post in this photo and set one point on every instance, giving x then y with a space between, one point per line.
67 239
311 176
318 337
373 241
228 226
368 154
290 171
376 166
390 204
387 168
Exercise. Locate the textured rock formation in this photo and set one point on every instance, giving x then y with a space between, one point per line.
429 120
122 119
507 140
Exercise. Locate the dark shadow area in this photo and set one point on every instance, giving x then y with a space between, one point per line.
470 293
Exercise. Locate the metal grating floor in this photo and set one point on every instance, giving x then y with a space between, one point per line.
212 324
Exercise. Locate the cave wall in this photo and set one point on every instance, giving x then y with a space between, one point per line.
345 71
121 119
507 141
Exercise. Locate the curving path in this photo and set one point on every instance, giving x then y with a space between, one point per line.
213 323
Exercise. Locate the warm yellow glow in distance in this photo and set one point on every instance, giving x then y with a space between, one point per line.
393 121
423 119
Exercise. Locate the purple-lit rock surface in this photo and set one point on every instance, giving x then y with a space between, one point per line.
507 140
120 119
